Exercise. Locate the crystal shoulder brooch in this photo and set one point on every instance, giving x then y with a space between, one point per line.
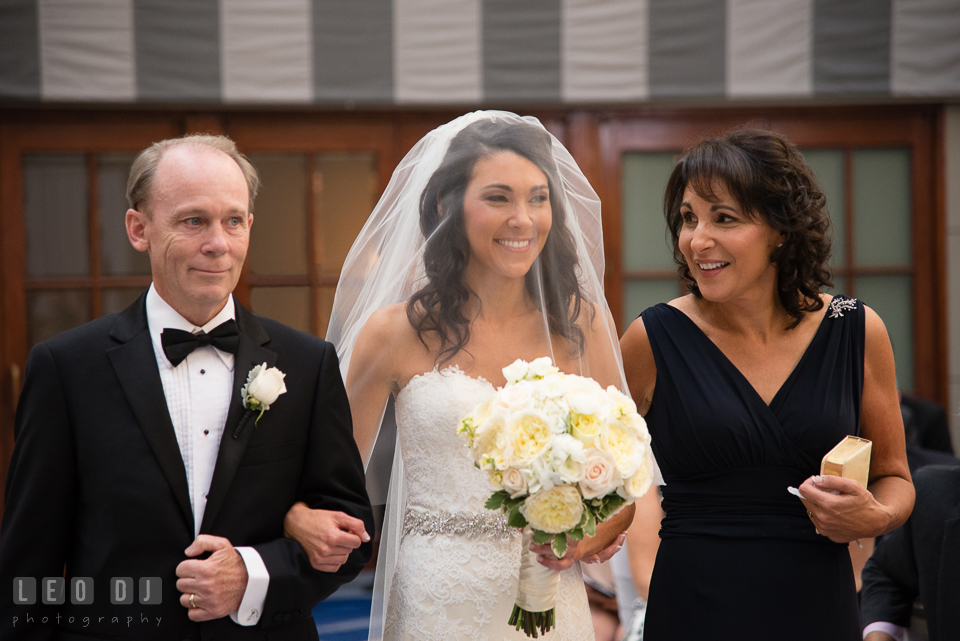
840 305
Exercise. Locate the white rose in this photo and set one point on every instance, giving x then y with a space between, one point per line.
621 404
622 442
542 367
600 475
488 444
265 385
566 457
515 371
515 397
584 403
638 484
555 510
514 482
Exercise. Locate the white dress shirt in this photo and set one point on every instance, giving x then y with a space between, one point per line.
198 393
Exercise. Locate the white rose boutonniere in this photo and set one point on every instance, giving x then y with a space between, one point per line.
264 385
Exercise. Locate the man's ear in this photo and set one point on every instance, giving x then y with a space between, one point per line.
136 230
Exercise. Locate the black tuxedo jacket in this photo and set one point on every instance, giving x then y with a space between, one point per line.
922 557
97 486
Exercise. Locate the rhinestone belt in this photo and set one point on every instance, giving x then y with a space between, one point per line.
458 524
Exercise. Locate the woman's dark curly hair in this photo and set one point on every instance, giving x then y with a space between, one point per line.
437 306
767 176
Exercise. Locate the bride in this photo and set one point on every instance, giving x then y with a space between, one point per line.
485 248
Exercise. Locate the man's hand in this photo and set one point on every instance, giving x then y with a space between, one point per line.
328 537
217 584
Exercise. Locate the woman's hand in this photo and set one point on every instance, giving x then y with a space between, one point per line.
843 510
548 559
328 537
606 553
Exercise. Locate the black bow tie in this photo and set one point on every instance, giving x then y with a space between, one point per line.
177 344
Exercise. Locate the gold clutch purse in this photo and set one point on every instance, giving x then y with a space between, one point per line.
850 459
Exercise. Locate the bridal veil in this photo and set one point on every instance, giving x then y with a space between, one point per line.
406 242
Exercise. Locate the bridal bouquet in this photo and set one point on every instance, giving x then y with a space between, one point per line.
564 454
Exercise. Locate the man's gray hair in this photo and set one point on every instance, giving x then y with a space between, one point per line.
144 169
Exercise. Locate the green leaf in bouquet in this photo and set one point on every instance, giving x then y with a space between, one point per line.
559 545
540 537
496 500
516 519
611 503
590 527
576 534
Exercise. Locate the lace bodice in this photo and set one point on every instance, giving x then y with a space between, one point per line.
438 469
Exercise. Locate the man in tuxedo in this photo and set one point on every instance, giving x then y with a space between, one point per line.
140 478
920 558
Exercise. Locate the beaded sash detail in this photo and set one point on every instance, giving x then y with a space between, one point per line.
492 524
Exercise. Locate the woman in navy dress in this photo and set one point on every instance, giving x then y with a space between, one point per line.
746 383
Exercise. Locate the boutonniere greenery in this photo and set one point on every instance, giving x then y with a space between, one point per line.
264 385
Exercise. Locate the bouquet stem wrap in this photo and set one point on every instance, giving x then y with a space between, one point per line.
536 592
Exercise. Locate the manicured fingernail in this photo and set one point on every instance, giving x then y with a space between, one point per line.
818 479
365 537
540 559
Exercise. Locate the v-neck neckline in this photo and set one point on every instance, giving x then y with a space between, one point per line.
726 359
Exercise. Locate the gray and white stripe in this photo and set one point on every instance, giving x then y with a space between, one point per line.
471 52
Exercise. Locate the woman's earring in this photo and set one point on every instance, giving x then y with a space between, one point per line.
780 245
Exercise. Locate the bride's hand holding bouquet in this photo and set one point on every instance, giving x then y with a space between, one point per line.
563 454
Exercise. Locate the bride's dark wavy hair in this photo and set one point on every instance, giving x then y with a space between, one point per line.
437 306
768 177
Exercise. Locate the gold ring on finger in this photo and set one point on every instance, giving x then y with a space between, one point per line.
192 604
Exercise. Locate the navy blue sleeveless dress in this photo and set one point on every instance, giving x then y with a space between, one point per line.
739 558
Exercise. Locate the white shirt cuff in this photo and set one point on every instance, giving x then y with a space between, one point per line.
258 580
898 633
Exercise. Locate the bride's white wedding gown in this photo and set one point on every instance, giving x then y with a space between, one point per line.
457 565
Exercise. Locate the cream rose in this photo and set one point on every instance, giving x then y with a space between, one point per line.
264 385
514 482
623 444
527 436
555 510
586 428
638 484
599 474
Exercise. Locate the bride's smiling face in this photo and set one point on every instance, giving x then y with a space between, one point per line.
506 214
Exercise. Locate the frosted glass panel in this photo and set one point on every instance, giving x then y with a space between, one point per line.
892 298
117 255
827 165
52 312
346 188
278 239
641 294
839 286
117 300
55 215
881 185
289 305
645 239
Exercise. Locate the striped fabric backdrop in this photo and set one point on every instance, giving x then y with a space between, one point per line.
419 52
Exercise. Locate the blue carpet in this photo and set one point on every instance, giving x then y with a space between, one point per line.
345 615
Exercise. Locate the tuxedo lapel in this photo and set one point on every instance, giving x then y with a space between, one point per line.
135 364
250 353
